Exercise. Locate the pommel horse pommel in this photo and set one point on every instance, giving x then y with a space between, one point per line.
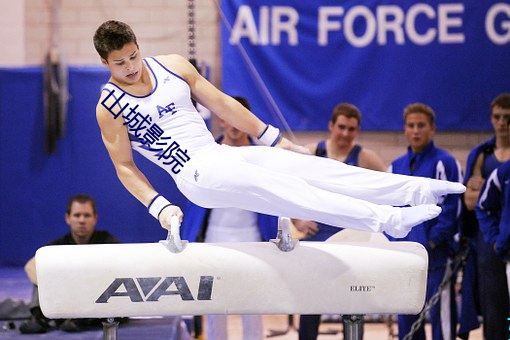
284 240
352 276
173 240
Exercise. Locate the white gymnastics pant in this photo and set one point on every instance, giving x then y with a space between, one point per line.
278 182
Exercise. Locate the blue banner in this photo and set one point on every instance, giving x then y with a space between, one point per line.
295 60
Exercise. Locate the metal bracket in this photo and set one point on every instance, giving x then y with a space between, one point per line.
284 240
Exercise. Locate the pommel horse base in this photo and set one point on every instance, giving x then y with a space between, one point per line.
352 278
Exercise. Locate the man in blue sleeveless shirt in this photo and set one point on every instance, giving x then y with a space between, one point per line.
344 127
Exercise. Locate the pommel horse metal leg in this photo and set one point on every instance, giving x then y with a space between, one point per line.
110 329
353 327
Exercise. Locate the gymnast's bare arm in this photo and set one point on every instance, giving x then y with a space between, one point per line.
224 106
368 159
115 138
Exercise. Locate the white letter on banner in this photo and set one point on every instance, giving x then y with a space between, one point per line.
412 13
385 25
325 25
446 22
350 17
490 18
244 26
278 25
264 25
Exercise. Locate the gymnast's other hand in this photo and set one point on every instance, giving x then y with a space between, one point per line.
286 144
475 183
166 215
308 228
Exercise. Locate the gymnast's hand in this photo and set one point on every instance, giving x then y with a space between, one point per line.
166 215
286 144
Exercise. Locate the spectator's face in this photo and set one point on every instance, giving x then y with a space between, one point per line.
344 131
81 220
499 119
418 131
234 136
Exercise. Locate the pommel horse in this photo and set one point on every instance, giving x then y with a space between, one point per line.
173 277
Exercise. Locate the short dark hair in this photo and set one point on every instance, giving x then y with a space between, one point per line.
503 101
348 110
244 102
420 108
112 35
81 198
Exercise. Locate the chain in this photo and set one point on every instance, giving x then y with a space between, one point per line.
191 30
459 265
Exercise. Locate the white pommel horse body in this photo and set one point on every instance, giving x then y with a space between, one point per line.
154 279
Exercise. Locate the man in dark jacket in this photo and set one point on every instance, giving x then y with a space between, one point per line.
81 216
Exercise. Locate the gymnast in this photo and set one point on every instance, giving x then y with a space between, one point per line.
147 106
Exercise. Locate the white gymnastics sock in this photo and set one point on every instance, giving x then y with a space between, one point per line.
442 188
434 191
412 216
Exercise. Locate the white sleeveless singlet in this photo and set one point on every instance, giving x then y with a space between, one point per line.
164 125
232 225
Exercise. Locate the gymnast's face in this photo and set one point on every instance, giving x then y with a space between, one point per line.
419 131
344 131
82 221
125 64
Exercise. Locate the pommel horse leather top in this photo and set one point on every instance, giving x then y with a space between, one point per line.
337 276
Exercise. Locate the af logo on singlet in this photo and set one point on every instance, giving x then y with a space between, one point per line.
164 110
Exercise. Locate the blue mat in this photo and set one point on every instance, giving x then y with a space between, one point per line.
134 329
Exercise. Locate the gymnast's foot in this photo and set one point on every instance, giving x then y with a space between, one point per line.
437 191
412 216
442 188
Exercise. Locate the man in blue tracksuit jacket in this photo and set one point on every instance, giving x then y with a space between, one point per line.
493 211
424 159
484 280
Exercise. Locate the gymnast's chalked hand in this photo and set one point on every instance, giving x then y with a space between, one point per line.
165 217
